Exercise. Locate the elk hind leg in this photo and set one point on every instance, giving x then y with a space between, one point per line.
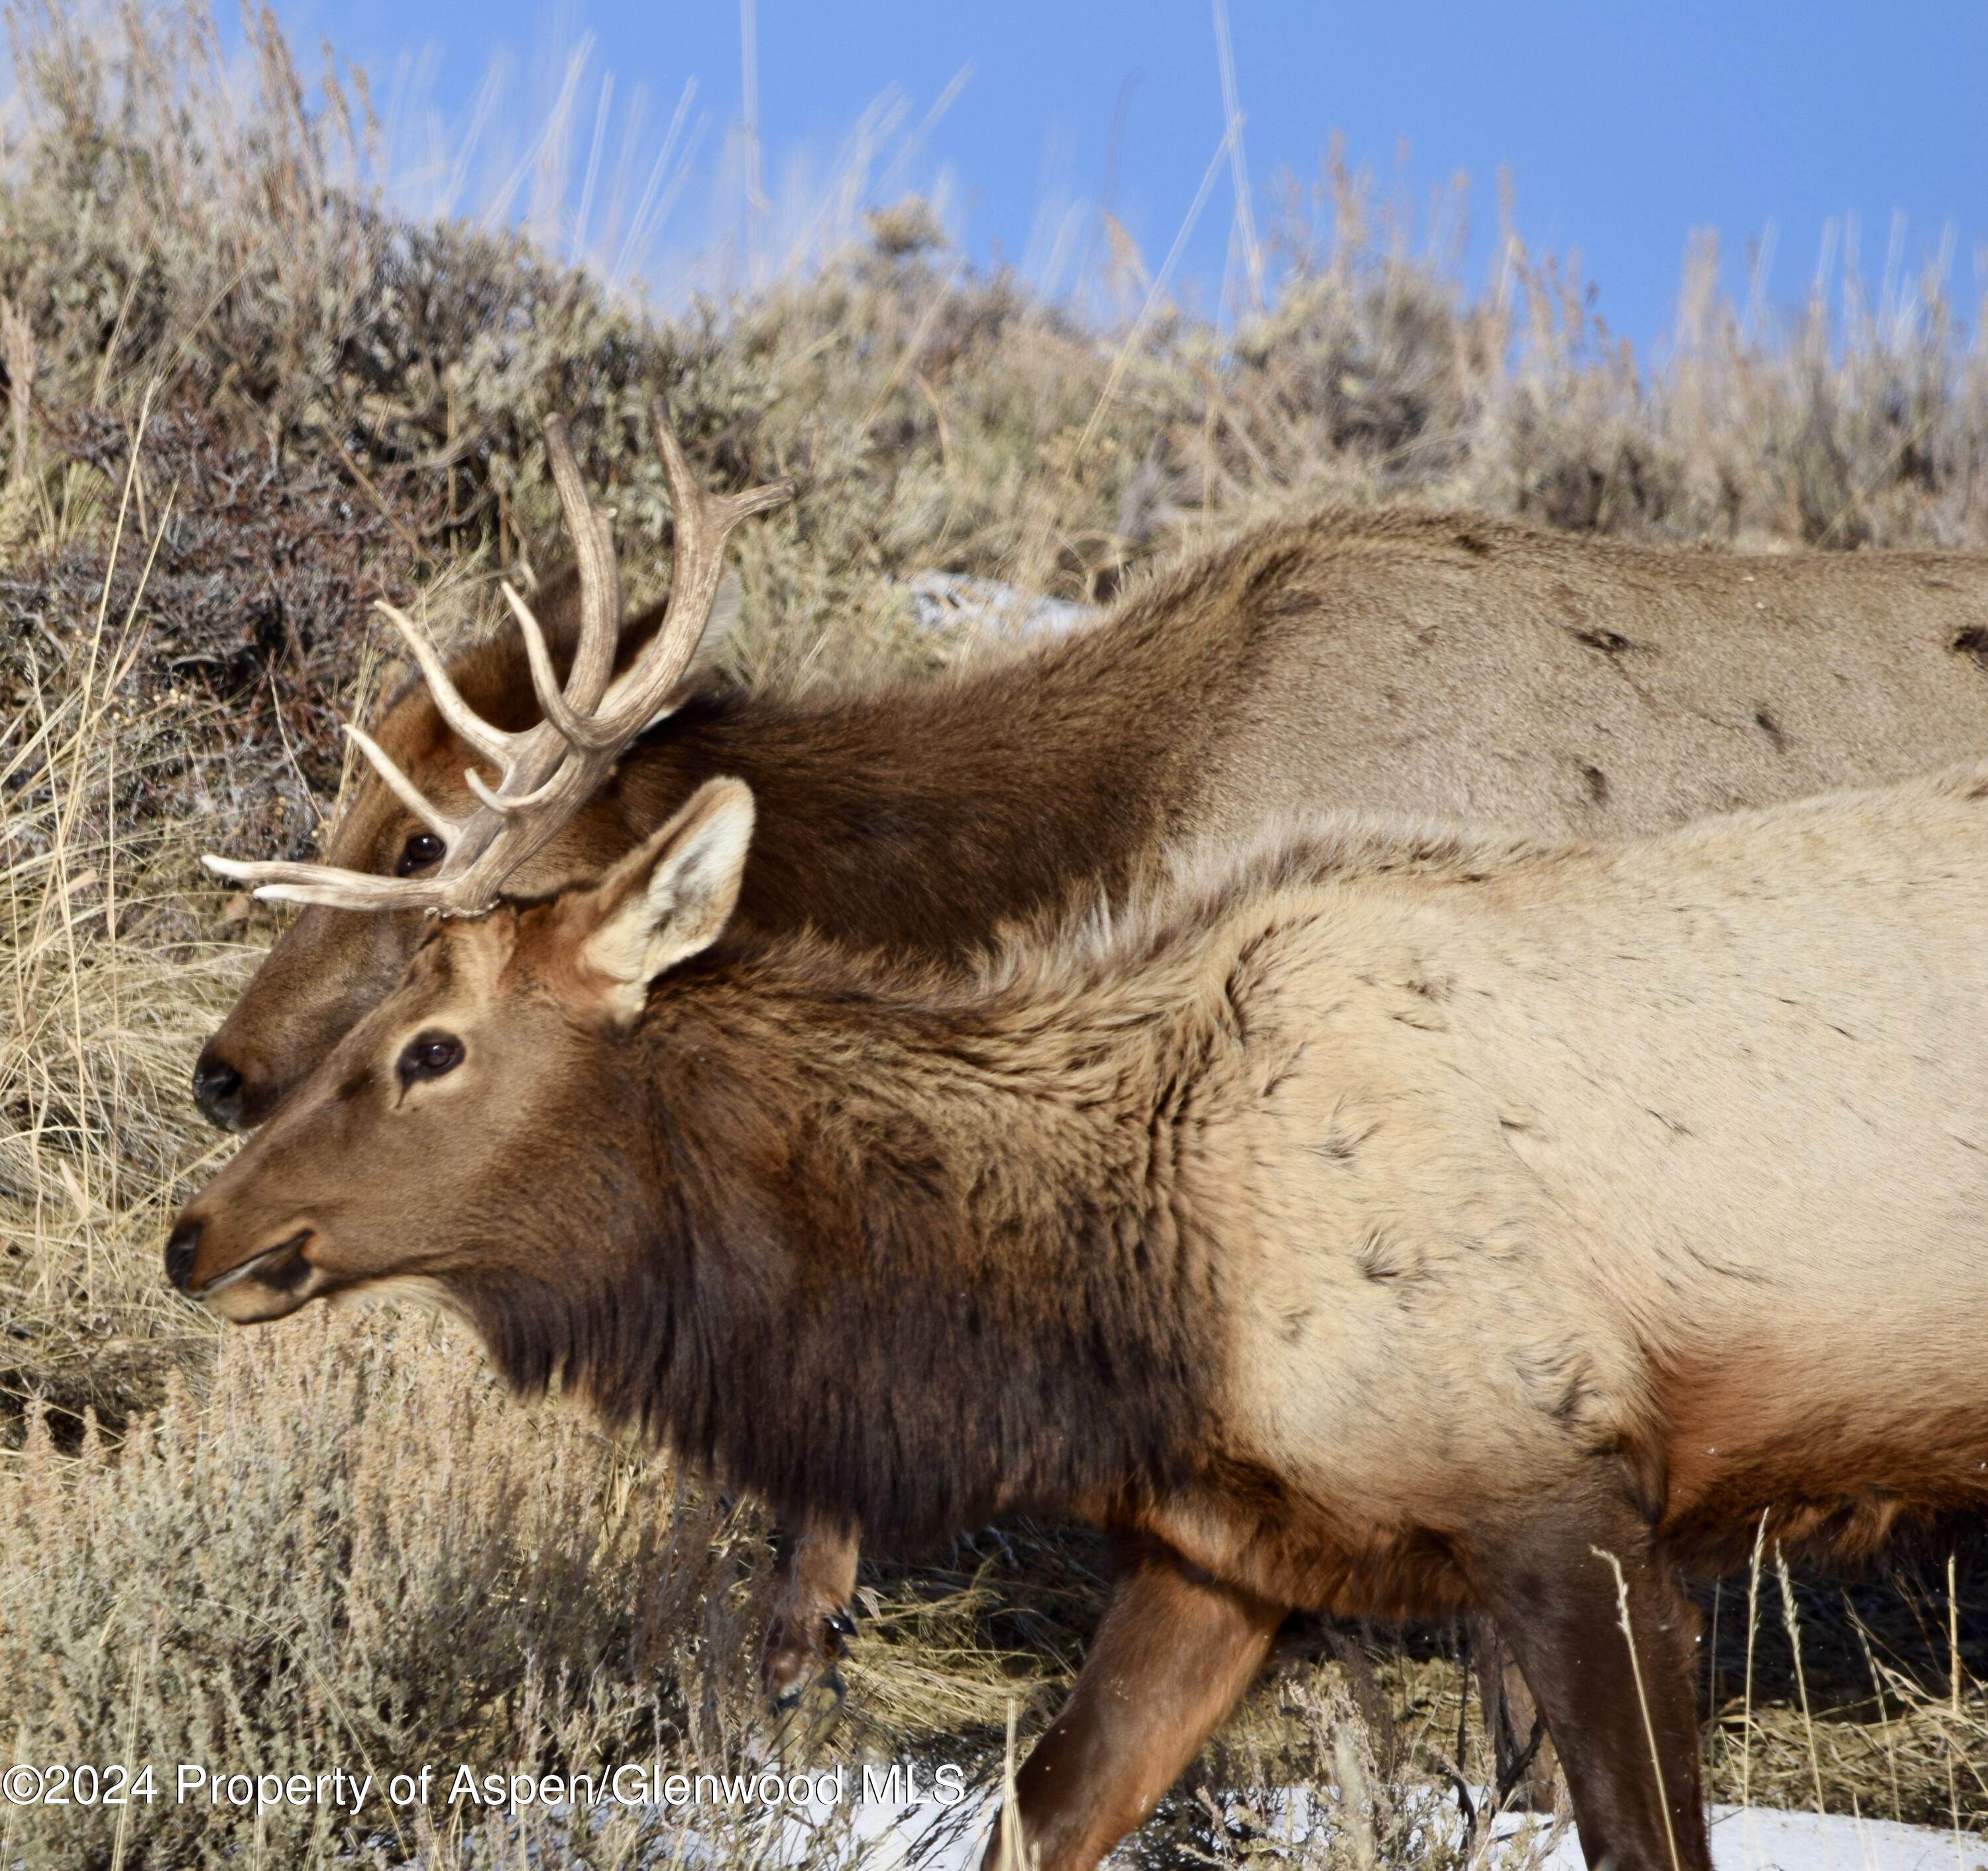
1521 1752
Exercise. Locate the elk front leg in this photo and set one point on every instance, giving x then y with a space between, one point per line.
1174 1652
811 1614
1627 1736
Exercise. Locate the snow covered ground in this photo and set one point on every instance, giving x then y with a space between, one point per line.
928 1838
936 1838
1755 1839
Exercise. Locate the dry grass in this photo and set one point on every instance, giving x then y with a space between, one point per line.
242 402
352 1549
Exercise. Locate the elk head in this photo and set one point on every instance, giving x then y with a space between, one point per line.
417 818
483 1123
529 1001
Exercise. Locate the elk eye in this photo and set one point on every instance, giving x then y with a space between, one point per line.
428 1055
421 850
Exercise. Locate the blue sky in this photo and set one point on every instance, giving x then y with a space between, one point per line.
1622 127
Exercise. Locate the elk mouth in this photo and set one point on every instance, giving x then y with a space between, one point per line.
282 1269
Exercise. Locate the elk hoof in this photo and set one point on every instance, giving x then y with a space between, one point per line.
825 1692
799 1669
807 1702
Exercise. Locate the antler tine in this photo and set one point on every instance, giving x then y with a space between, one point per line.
509 804
697 510
704 521
545 678
494 744
284 882
401 787
546 772
600 575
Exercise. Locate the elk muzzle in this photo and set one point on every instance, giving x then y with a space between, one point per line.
180 1250
264 1282
218 1088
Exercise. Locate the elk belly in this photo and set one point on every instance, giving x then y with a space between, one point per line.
1835 1448
1251 1528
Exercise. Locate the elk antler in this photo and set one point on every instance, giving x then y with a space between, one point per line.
545 772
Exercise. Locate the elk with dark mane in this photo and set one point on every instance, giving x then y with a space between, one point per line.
1384 1220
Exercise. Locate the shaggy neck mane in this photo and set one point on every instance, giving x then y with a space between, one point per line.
901 1252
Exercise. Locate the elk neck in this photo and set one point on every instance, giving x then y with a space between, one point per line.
921 817
896 1249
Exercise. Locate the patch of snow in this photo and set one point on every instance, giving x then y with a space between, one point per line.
921 1838
1756 1839
949 602
926 1837
934 1835
1767 1838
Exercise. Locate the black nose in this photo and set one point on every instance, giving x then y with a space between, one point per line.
179 1253
217 1090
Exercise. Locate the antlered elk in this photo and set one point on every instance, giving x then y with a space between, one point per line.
1393 661
1387 1220
1460 667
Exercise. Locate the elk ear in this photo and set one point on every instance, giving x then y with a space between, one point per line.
670 898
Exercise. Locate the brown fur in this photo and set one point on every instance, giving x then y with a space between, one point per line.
1385 1221
1454 666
